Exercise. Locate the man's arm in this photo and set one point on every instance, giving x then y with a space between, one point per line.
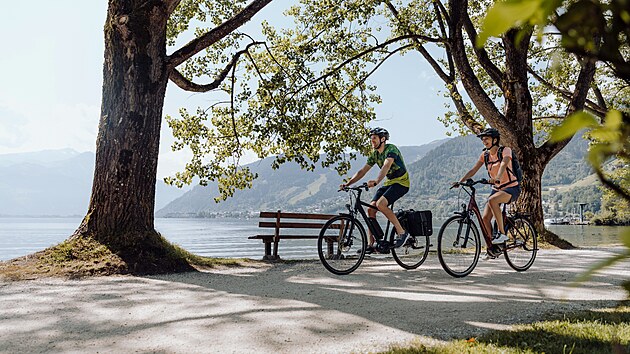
387 164
357 176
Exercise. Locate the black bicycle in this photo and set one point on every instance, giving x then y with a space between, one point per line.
342 241
459 242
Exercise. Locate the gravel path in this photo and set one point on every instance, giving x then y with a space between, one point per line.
298 307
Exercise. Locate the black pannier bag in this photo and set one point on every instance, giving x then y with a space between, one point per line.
417 223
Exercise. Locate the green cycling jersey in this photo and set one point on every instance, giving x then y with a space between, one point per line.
397 172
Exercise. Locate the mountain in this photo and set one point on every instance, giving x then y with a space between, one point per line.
432 168
288 187
54 182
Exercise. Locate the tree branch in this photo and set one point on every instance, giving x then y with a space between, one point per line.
209 38
590 106
185 84
600 97
171 5
434 64
482 56
367 51
473 87
439 12
611 185
577 102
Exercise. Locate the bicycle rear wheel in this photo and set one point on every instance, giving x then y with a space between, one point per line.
341 244
520 250
413 253
459 246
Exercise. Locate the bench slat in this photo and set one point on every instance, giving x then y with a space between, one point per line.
294 225
262 237
274 214
279 222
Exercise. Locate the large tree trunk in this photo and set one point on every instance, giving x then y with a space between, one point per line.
530 200
135 75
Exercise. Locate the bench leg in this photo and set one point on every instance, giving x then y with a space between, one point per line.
330 248
267 249
268 256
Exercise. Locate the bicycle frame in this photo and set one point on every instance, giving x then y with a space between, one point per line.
358 208
474 208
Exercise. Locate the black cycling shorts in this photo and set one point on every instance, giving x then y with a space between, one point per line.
391 193
514 192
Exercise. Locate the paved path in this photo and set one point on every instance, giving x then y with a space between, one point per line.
299 307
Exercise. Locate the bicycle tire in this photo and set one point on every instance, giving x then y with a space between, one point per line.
457 256
340 250
413 253
521 257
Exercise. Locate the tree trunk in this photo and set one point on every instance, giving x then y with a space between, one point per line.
530 200
121 211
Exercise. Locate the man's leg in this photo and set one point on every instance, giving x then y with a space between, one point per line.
383 207
371 214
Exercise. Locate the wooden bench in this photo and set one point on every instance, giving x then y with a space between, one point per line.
277 220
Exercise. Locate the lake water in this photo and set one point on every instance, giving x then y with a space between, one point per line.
224 237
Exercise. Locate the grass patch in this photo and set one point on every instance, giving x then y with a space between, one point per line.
72 258
208 262
605 331
84 256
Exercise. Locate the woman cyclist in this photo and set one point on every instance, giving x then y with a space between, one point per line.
505 186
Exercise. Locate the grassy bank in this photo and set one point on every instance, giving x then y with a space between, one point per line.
603 331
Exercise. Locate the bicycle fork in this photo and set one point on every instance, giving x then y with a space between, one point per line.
457 241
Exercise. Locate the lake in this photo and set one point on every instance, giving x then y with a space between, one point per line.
224 237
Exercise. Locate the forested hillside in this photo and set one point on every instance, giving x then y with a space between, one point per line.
432 167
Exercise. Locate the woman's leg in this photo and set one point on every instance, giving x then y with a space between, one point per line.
495 202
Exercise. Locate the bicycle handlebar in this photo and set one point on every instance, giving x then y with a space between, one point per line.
357 188
469 183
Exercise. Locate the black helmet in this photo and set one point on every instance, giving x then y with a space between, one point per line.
381 132
491 132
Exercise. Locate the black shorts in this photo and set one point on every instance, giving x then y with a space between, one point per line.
391 193
513 191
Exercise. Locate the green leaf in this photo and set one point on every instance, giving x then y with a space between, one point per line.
606 135
601 265
504 15
625 237
613 119
572 124
598 153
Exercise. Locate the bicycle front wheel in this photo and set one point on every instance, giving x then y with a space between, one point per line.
459 246
520 250
341 244
413 253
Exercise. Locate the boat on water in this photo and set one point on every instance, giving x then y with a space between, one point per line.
557 221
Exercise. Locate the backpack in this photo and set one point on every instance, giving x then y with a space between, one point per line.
518 171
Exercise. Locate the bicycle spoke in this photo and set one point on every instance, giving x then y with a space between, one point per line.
522 247
341 245
413 253
458 246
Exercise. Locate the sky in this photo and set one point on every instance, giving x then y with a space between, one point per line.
51 77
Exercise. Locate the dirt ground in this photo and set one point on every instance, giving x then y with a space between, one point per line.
296 307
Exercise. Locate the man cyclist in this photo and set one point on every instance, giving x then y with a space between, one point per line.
505 186
390 161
